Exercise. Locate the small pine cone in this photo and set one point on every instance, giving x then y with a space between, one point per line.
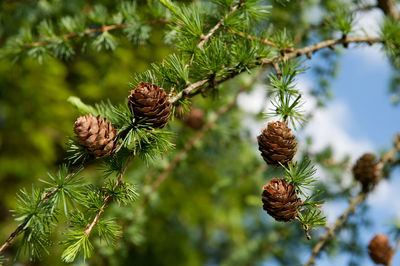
195 119
96 134
366 171
380 250
150 102
276 144
280 200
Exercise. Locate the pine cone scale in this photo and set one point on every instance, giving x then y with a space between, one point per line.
150 103
276 144
96 134
280 200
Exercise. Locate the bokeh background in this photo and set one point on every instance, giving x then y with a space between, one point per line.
208 211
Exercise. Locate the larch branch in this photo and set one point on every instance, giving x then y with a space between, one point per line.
204 39
107 198
104 28
21 227
276 59
250 37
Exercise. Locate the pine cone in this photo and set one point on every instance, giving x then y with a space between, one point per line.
366 171
280 200
150 102
195 119
276 144
96 134
380 250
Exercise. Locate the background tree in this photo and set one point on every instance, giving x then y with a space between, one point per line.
192 195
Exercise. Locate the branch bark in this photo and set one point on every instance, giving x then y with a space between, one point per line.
204 39
107 198
330 233
190 90
105 28
21 227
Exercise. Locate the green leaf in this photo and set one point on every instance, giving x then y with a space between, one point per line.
77 243
82 107
108 230
37 216
301 175
65 187
3 259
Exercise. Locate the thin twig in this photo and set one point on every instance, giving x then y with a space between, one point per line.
107 198
105 28
250 37
394 251
13 235
328 43
330 233
21 227
219 24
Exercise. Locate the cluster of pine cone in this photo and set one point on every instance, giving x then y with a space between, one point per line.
277 146
147 102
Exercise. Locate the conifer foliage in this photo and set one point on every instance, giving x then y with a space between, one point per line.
213 42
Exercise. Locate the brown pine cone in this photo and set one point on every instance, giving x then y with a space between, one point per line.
280 200
276 144
366 171
151 103
195 119
96 134
380 250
